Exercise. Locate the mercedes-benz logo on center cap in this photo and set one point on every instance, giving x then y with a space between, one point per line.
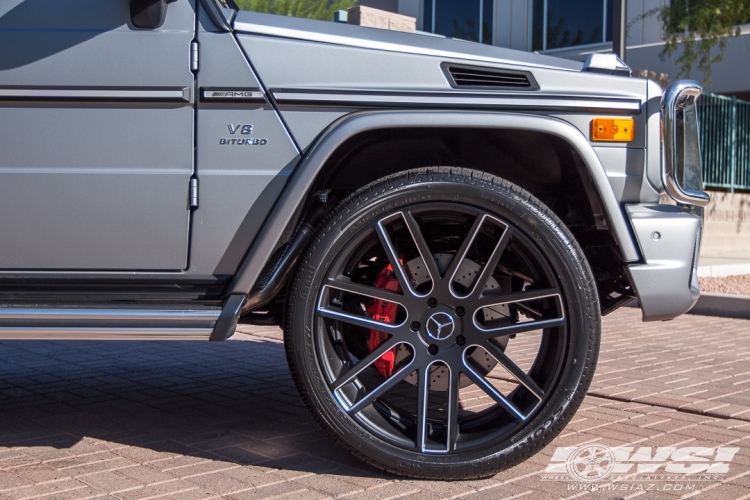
440 326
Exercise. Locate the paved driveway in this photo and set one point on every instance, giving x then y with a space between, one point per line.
144 420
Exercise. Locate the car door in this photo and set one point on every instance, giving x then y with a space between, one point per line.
96 135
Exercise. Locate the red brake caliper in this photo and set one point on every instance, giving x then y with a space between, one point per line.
380 310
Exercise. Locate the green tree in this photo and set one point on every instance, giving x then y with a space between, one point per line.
700 27
312 9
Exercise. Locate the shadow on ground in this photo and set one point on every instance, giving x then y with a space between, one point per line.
232 402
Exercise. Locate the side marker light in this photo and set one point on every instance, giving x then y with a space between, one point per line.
613 129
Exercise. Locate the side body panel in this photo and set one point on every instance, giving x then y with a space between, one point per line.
244 155
626 171
96 134
330 71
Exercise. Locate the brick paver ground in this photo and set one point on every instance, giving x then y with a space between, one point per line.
139 420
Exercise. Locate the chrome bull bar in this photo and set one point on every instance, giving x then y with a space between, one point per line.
681 171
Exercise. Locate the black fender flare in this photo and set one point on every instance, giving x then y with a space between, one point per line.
306 172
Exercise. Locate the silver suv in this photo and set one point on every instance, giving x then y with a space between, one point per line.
437 225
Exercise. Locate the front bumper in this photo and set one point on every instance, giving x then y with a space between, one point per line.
667 282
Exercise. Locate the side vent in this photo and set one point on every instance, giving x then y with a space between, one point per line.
477 77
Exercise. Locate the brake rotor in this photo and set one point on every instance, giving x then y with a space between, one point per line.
465 275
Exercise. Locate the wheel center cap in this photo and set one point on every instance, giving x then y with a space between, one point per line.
440 326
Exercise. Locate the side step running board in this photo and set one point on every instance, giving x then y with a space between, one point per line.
104 333
62 323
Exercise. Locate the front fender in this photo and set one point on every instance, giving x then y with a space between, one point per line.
306 172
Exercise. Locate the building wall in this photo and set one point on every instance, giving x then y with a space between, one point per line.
726 229
410 8
512 24
644 31
389 5
645 43
730 77
512 29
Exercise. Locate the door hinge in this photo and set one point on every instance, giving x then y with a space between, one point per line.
193 193
194 55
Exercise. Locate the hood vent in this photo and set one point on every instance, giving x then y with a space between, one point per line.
477 77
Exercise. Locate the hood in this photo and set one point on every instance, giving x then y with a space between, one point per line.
394 41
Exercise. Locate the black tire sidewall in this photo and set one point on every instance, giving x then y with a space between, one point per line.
513 205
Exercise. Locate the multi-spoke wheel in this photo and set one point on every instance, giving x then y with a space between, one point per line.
445 324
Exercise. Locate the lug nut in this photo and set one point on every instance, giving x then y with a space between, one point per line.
415 325
432 302
460 340
460 311
433 349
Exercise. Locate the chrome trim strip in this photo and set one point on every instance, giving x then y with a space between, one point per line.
453 100
98 170
98 333
73 314
678 95
78 94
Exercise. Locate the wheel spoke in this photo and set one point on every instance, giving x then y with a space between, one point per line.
390 252
489 267
493 393
352 319
513 369
354 371
526 326
487 300
461 253
346 285
371 396
452 425
421 244
423 391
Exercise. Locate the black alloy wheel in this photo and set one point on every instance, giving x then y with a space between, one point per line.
443 324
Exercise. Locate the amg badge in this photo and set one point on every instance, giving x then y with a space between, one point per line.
233 95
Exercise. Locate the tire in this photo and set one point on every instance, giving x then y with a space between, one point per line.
420 363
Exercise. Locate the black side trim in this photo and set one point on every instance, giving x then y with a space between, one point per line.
507 100
105 94
278 273
482 77
74 288
230 315
83 277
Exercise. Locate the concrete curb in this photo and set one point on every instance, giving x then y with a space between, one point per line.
717 304
723 304
723 270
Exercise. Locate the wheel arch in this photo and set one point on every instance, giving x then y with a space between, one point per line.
329 151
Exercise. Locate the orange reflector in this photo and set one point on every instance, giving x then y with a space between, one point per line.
614 130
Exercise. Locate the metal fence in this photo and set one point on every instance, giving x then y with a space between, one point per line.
724 125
